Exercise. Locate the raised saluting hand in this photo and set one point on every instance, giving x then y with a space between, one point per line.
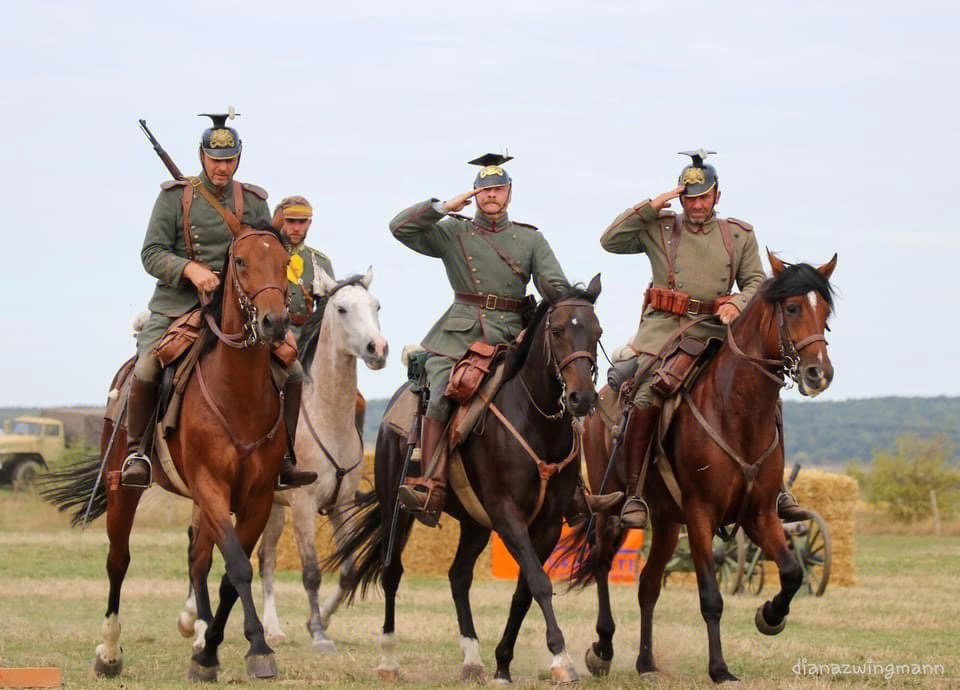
459 202
663 201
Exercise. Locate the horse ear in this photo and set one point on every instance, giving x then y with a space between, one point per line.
367 278
549 292
827 269
323 283
593 289
776 264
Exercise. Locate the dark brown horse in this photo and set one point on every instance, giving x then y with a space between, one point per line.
549 379
227 448
728 464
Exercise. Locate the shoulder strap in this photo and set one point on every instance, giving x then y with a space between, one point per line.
671 250
728 245
228 216
506 258
186 203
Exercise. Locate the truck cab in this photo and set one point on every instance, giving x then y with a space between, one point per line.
27 445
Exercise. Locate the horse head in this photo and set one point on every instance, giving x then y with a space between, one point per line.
803 301
353 314
572 332
255 287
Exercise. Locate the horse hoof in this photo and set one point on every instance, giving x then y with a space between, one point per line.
388 675
723 676
324 645
501 680
473 673
185 624
596 665
276 638
261 666
107 669
198 673
765 627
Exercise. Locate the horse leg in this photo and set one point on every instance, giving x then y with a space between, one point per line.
204 665
267 555
121 508
473 539
345 582
304 507
600 653
533 581
187 619
767 533
663 542
700 534
388 670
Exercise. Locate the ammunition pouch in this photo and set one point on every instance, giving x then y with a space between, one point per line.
677 365
470 371
178 338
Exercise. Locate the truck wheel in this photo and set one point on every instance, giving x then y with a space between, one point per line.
25 475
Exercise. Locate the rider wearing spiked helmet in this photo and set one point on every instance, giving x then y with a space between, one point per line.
184 249
489 259
695 258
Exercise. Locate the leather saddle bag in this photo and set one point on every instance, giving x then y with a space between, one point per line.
677 365
470 371
177 339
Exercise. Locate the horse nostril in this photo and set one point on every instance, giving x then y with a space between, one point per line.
371 348
574 397
812 374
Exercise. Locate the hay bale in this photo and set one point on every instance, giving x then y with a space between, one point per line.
429 551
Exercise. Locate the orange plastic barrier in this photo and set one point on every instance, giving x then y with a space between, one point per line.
42 677
626 563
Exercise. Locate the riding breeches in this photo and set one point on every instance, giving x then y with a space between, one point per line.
438 375
627 359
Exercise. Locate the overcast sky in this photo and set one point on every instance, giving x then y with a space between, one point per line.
836 126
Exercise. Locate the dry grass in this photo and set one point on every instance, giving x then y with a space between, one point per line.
906 609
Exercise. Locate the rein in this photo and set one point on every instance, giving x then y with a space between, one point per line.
340 471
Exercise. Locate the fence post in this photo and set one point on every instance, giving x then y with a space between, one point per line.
935 511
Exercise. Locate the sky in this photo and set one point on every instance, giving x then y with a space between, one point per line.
835 126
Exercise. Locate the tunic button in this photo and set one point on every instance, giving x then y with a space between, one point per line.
679 284
470 258
477 282
474 270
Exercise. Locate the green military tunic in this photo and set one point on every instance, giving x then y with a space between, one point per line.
473 266
164 252
702 269
301 289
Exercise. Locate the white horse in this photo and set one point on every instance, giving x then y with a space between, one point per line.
328 442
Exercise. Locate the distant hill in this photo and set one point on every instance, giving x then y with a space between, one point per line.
831 433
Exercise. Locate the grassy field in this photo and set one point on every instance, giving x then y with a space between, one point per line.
905 611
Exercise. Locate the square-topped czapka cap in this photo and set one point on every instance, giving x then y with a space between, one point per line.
697 178
220 141
491 172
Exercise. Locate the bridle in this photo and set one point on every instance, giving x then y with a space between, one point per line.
250 334
787 368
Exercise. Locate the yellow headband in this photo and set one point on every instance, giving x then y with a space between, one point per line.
298 212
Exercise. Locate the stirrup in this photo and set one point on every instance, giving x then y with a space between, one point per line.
416 499
635 513
305 478
788 510
132 461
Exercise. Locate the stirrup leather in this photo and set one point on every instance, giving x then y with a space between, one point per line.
132 458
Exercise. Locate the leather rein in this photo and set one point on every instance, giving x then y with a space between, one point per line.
546 470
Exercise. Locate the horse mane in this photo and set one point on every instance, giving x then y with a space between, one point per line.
797 279
310 331
518 356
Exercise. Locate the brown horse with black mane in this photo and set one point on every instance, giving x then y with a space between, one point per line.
723 455
226 448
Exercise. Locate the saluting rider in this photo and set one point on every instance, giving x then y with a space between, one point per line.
184 248
489 259
695 259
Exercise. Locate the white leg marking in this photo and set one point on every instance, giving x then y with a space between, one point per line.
188 616
109 650
199 640
562 660
812 299
471 651
388 651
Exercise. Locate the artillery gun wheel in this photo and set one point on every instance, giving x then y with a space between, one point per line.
811 544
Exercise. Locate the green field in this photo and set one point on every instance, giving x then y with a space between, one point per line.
905 611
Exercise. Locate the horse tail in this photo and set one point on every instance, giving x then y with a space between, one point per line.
587 554
363 542
77 486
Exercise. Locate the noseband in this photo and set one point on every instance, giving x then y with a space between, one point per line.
250 334
788 365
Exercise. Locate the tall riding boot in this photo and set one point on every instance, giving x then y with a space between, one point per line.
290 476
424 496
582 505
141 405
788 509
636 443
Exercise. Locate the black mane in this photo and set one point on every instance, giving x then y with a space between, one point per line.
797 279
517 357
310 331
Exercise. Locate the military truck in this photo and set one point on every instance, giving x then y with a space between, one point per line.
27 444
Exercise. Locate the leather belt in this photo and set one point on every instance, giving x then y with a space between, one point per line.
677 302
495 302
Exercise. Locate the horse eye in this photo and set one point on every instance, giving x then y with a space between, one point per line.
341 310
241 263
557 332
793 309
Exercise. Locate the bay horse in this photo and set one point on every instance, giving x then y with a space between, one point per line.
523 481
227 448
725 448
